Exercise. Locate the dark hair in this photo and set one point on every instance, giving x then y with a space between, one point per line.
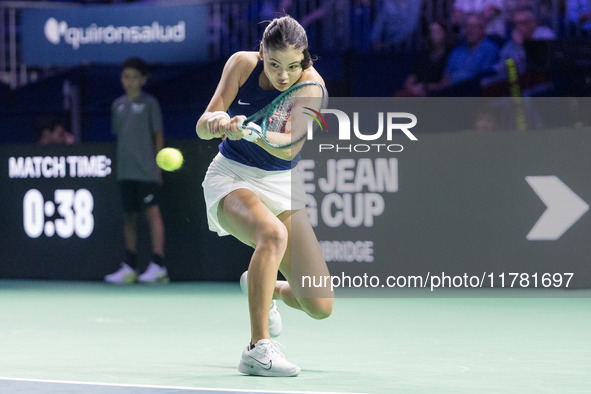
286 32
449 42
49 123
137 64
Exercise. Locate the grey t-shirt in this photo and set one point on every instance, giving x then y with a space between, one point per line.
135 123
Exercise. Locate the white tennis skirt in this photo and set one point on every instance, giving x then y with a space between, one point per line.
279 190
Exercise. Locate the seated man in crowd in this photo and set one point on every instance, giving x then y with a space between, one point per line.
525 27
492 12
473 59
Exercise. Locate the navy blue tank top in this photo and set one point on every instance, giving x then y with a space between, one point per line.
250 98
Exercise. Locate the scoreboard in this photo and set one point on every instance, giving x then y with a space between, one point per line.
61 216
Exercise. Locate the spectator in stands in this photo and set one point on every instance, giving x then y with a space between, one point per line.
512 6
578 15
471 60
525 27
53 132
396 22
486 118
429 66
492 11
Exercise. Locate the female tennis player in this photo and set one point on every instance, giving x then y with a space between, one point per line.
254 192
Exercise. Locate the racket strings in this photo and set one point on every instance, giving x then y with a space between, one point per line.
284 121
278 120
293 106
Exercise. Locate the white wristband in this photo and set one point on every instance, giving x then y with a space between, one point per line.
218 114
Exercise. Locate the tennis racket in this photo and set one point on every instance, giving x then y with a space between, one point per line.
284 113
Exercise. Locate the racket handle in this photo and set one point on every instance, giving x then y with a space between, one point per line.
252 135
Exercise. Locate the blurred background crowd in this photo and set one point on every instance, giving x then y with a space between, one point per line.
364 48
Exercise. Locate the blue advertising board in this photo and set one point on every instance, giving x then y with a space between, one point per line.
110 34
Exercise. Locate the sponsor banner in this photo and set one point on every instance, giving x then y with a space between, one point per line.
100 34
397 205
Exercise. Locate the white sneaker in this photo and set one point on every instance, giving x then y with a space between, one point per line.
123 276
154 274
265 359
275 322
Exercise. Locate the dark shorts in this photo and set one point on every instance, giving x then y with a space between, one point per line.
137 196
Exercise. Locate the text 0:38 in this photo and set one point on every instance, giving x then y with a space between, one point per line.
69 213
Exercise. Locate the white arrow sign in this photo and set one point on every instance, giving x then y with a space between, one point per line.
563 208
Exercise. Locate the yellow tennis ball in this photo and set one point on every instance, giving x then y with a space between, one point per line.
169 159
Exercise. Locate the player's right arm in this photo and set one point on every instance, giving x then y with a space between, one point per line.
215 122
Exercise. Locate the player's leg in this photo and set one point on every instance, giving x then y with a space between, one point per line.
303 257
243 215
